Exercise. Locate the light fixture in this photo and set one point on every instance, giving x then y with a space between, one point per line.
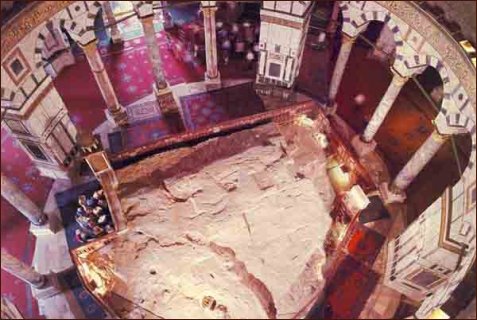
304 121
438 314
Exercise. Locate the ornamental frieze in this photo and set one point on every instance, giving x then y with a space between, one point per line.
27 20
434 34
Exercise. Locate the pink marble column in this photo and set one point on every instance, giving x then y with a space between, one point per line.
345 50
419 160
208 10
161 88
115 112
111 21
384 106
22 271
21 202
153 51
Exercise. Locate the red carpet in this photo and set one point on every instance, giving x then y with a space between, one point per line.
130 73
349 290
15 236
365 244
206 109
353 281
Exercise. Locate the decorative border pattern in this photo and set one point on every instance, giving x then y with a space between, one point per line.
27 20
439 39
16 54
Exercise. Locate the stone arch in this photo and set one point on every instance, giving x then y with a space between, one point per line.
416 62
40 42
80 31
454 99
357 23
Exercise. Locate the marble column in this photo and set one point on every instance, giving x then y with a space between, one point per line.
111 21
212 73
115 112
345 50
161 88
419 160
15 196
21 270
384 106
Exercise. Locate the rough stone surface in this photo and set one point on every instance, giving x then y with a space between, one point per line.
243 230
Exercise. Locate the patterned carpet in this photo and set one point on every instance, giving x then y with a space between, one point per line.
349 290
15 237
130 73
91 309
353 282
365 244
205 109
131 28
139 134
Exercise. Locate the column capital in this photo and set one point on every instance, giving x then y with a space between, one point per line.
89 48
147 19
398 79
437 136
347 38
208 4
208 10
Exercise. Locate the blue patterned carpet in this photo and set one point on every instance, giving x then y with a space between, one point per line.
67 204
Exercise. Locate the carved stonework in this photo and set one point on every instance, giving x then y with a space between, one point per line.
30 18
439 39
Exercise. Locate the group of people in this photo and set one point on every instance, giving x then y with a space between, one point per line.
93 217
234 40
239 40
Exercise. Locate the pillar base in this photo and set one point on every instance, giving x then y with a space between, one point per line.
53 171
212 83
330 108
118 117
116 38
391 195
361 147
166 101
51 287
42 221
43 230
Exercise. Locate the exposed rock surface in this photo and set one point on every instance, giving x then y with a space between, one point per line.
243 229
